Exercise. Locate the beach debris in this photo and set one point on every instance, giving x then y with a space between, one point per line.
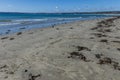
11 72
33 77
4 38
4 66
57 28
5 77
50 38
81 48
19 33
106 23
105 60
103 26
11 38
5 69
94 28
26 70
115 65
107 30
103 30
77 55
91 37
99 35
117 37
118 49
116 41
98 56
71 27
52 26
104 40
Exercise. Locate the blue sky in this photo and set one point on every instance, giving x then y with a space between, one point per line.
58 5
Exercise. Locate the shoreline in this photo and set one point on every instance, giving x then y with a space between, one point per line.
28 24
23 29
82 50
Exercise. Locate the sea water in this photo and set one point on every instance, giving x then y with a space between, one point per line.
16 22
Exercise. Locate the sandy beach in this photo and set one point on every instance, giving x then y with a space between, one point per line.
82 50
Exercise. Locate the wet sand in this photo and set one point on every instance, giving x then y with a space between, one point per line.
85 50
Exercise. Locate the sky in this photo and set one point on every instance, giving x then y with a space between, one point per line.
59 5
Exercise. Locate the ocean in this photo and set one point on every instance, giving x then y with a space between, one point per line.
16 22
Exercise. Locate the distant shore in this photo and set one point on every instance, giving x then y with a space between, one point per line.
81 50
98 12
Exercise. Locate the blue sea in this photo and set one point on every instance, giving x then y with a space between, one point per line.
16 22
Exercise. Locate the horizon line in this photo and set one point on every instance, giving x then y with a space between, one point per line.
62 12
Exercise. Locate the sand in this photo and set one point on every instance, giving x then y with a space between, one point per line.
84 50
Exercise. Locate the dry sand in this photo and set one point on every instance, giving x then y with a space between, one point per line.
85 50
